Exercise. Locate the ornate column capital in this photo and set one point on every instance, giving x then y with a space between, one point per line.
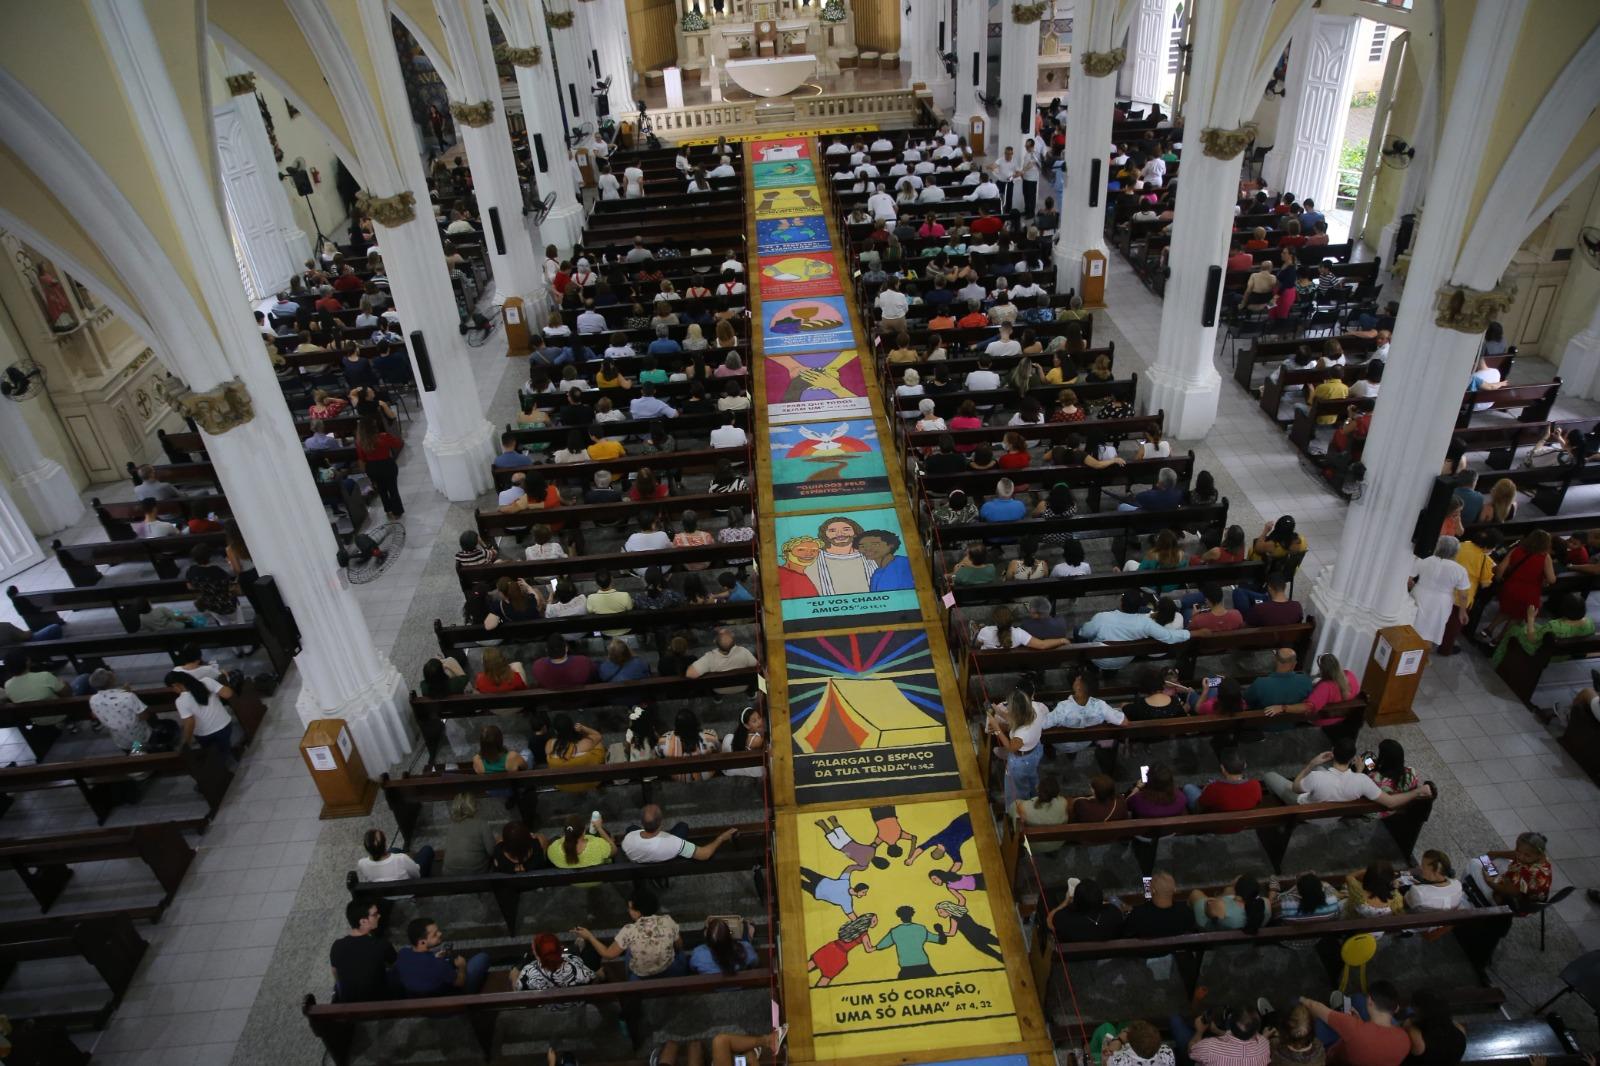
228 406
1028 14
242 84
1227 144
518 57
1470 310
1099 64
474 115
390 211
558 20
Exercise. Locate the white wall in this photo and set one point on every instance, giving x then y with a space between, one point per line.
299 138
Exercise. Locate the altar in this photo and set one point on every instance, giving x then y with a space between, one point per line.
771 76
714 35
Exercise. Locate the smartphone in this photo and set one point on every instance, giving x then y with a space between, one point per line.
1369 762
1146 888
1213 682
1144 775
1489 866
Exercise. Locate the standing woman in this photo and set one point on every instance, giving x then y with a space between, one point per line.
1019 735
1522 576
377 449
205 717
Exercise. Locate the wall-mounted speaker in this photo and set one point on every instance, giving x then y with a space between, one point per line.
499 234
538 153
1208 314
572 91
974 70
1425 537
419 352
941 36
1094 182
1027 114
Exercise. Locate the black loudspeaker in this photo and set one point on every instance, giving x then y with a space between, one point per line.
499 234
302 181
975 70
273 614
1094 182
538 153
941 36
1425 537
1208 314
572 91
419 351
1027 113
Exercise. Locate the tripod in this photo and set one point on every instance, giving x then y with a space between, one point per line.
321 238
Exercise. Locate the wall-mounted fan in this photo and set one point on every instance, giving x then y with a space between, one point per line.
991 104
1398 154
951 64
1589 242
21 381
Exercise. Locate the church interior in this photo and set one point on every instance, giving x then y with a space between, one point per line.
863 357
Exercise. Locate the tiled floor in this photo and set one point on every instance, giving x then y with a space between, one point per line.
194 993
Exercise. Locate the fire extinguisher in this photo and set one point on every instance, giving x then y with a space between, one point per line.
316 176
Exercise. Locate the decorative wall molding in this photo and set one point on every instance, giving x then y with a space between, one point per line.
1227 144
531 56
225 407
389 211
475 115
1099 64
1468 310
1028 14
242 84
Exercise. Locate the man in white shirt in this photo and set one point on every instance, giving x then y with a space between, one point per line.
723 169
381 864
949 136
1026 289
1005 172
984 379
931 194
510 497
649 538
651 843
986 188
638 253
971 293
1154 172
590 320
925 167
729 435
1028 168
732 263
1002 347
1330 778
882 144
882 205
836 148
893 303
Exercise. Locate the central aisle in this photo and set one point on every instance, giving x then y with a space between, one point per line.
894 944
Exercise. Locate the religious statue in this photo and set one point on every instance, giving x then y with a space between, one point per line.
54 303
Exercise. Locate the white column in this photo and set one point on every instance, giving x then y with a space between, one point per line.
920 34
1580 361
460 442
972 58
1183 381
1417 175
43 482
1019 79
1147 53
18 548
537 85
1089 115
481 119
573 71
1305 153
248 429
1416 411
609 38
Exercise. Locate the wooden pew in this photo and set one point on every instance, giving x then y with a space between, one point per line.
1275 351
1273 826
1502 441
103 780
1521 669
335 1023
111 645
981 483
107 941
1072 588
430 713
45 862
453 639
246 704
584 566
82 561
40 607
1092 429
681 426
1125 524
577 516
737 856
696 460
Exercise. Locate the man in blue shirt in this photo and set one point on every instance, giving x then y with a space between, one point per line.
1166 496
542 356
510 458
423 970
1003 506
1310 216
1132 622
647 405
663 344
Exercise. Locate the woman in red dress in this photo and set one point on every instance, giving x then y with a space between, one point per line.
831 958
1523 575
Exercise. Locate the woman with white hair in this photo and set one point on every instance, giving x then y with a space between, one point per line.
928 420
912 387
1439 585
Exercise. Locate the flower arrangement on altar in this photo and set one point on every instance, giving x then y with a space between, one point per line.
833 11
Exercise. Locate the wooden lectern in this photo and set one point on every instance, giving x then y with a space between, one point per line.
976 129
1092 280
336 767
1394 670
518 340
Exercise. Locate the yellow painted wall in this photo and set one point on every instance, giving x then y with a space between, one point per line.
877 25
39 412
652 30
